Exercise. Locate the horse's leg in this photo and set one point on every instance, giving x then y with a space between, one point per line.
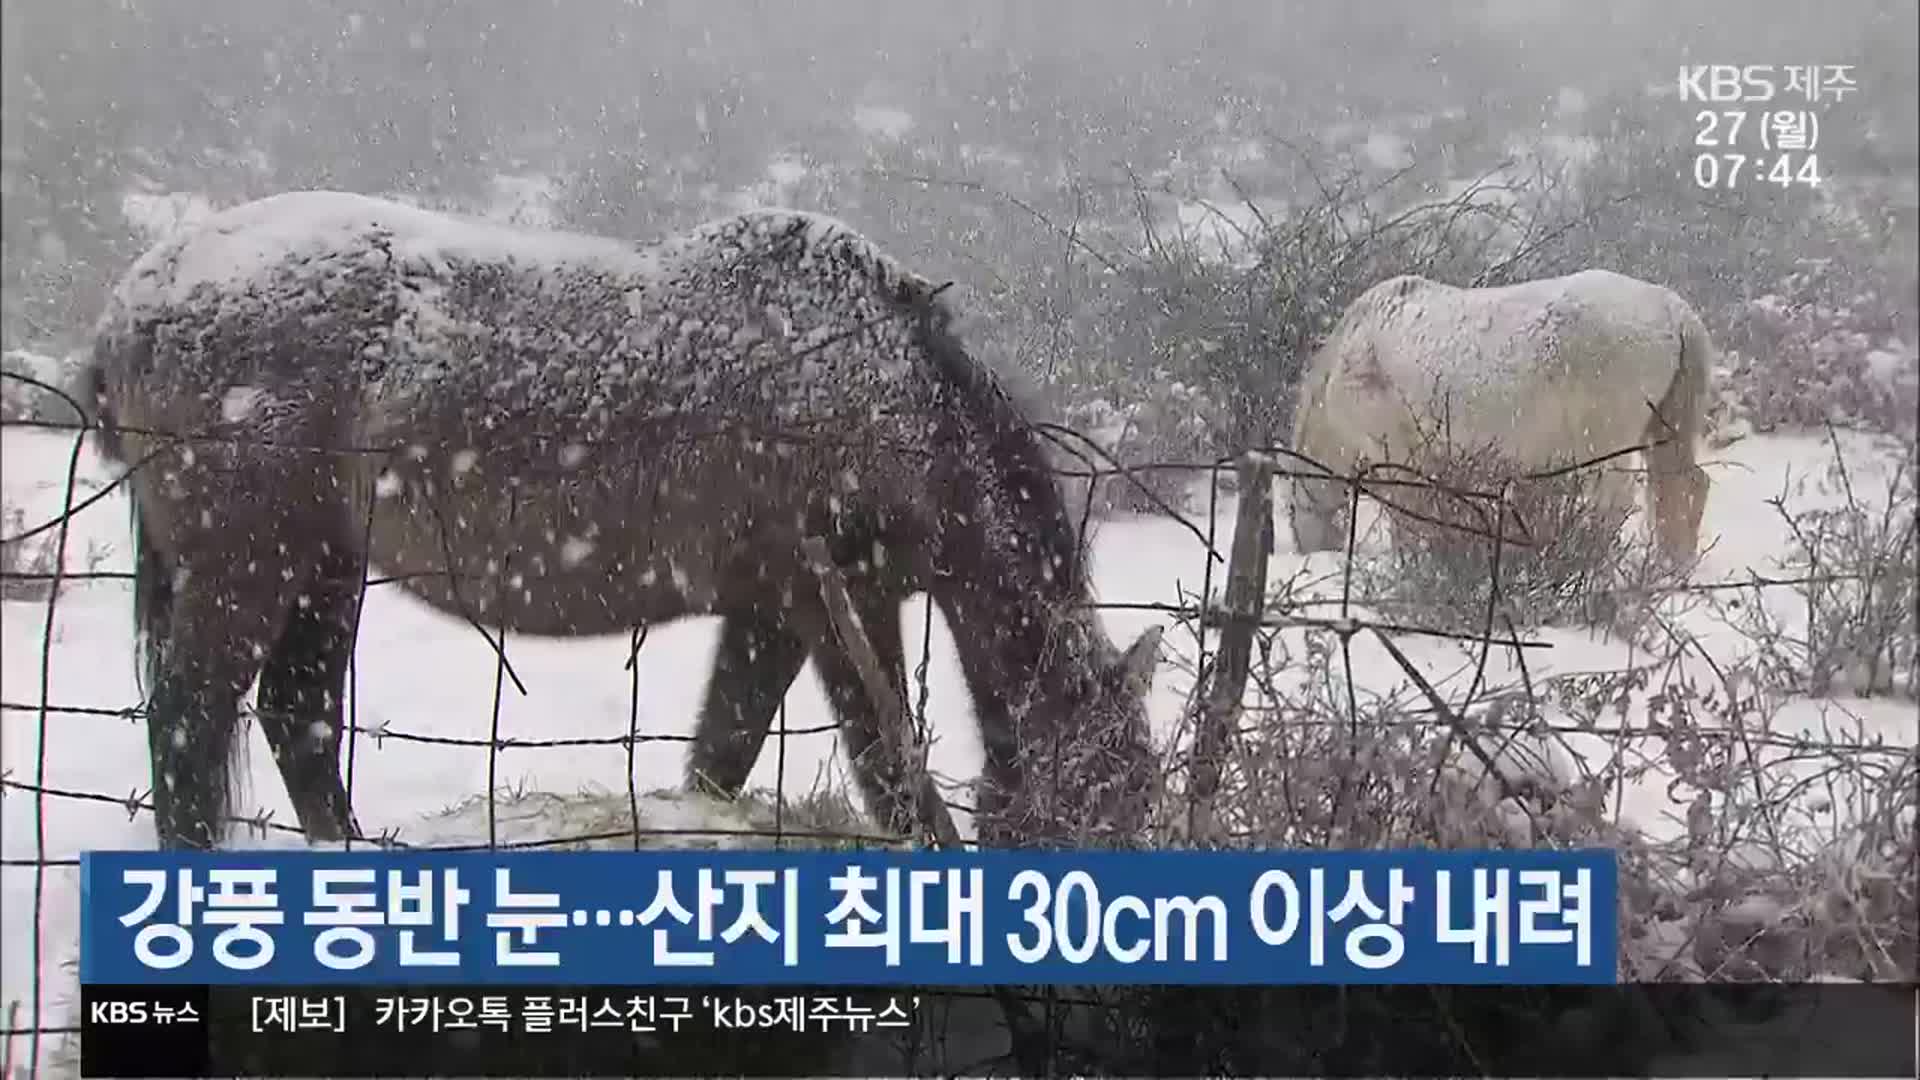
302 693
1003 764
758 659
222 618
238 531
881 777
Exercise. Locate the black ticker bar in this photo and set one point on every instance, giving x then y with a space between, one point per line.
1657 1029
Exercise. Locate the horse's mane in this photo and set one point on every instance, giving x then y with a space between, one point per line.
1009 432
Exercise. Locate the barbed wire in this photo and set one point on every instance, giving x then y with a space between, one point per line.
1382 482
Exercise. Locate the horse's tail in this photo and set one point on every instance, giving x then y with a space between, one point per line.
1677 486
156 569
1684 408
90 388
152 602
152 580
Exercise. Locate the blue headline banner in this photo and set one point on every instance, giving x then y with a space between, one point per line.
847 918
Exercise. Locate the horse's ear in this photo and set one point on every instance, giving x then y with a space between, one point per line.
1141 660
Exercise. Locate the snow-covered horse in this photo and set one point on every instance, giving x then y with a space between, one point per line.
1549 373
565 435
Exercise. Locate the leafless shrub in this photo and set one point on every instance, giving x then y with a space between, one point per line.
27 564
1558 551
1821 348
1792 860
22 562
1853 576
1797 855
1320 762
24 397
1166 425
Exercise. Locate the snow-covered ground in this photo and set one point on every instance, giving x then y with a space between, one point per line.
430 675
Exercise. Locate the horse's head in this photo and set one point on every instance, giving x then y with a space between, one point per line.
1113 698
1092 776
1316 513
1315 508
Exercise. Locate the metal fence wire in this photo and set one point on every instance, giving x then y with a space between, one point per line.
1221 665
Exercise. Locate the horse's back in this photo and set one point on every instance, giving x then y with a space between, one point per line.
247 245
1550 363
415 307
1489 317
592 406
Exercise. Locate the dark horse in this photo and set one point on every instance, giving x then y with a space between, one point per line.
563 435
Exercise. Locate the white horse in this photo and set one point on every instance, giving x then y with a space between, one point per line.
1548 373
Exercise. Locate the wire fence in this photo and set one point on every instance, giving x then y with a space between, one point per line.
1230 622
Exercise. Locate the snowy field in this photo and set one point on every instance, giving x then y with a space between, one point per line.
428 675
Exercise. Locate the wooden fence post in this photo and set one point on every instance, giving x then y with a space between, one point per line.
897 736
1244 603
